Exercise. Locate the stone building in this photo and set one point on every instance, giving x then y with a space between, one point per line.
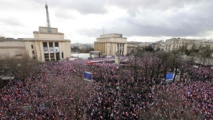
47 45
10 47
176 43
133 45
108 44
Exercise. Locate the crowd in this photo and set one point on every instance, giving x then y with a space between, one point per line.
190 100
58 91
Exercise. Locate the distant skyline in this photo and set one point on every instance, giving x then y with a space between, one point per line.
84 20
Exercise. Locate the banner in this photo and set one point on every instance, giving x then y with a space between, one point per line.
88 76
170 77
51 50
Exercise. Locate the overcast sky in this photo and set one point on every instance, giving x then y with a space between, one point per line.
84 20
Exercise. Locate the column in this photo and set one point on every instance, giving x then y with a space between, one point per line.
116 49
120 48
113 50
105 51
108 48
40 51
60 49
125 49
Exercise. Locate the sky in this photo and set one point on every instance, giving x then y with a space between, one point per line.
85 20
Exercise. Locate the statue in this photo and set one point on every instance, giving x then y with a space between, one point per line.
117 57
117 54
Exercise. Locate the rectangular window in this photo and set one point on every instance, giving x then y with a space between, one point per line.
32 46
33 52
57 56
50 44
56 44
62 54
52 57
44 44
46 56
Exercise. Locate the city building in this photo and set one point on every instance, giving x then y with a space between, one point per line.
82 45
133 45
158 45
176 43
47 45
109 44
10 47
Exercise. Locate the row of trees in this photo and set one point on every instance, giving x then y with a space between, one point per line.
175 60
20 68
154 64
201 55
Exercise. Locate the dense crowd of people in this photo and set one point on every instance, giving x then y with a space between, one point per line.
58 91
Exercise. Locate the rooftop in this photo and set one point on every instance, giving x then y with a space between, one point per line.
112 35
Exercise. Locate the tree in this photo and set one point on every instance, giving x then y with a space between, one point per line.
165 61
18 67
149 49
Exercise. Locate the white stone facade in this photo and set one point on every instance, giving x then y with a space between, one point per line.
108 44
45 46
176 43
